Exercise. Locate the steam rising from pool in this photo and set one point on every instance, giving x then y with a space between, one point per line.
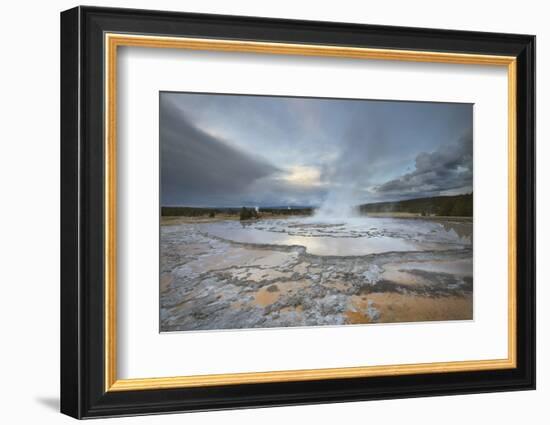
339 205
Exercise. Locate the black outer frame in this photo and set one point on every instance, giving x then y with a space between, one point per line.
82 217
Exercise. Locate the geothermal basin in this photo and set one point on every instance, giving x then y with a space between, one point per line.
223 273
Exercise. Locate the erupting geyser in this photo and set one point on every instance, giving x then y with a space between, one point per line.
338 205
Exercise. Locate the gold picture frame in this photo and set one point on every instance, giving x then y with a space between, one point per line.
114 41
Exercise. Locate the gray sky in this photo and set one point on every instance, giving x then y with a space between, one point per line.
234 150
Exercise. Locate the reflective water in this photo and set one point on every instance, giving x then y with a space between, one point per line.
350 237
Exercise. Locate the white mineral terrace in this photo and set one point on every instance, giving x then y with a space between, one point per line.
227 274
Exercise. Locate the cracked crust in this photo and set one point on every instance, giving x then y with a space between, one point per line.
208 282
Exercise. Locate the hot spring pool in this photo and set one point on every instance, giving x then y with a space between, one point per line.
350 237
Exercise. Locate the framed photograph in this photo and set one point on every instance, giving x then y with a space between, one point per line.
261 212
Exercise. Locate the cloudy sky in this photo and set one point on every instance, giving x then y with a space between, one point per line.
234 150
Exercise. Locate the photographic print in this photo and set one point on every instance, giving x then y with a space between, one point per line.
300 194
281 211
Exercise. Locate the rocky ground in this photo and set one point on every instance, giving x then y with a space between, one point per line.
212 283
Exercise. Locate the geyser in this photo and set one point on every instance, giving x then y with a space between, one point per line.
340 204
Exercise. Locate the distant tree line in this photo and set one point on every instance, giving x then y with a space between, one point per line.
244 213
248 213
288 211
194 212
455 206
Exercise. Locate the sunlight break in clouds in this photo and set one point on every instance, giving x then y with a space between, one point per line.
301 175
222 150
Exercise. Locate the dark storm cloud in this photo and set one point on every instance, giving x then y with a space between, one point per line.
200 168
448 168
378 141
221 150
